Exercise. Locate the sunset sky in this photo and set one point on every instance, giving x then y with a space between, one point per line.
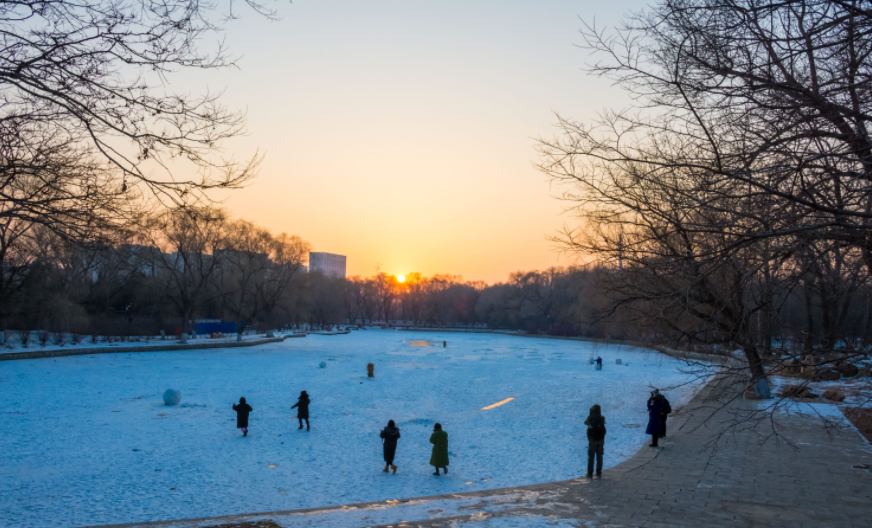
403 132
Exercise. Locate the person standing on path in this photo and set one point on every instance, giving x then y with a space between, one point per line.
665 409
439 456
596 439
390 435
655 407
302 406
242 411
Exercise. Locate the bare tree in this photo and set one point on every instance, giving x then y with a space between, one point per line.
747 142
84 85
771 100
386 290
188 239
363 303
256 270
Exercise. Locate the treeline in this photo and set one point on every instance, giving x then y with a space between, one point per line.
180 265
825 308
186 264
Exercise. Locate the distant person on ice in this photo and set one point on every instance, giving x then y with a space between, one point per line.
439 457
242 411
596 439
390 435
302 406
655 408
665 409
599 361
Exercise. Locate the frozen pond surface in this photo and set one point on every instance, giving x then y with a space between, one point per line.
87 440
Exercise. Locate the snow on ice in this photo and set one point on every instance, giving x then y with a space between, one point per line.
88 440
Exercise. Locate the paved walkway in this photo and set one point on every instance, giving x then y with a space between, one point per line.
700 477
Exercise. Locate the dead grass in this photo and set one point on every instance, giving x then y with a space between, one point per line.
861 417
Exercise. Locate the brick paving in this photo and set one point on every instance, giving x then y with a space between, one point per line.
700 477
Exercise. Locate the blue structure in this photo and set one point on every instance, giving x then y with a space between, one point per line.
209 328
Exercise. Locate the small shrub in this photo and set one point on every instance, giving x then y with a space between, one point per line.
60 338
75 339
95 339
43 338
25 339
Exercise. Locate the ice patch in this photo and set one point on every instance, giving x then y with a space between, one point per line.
72 464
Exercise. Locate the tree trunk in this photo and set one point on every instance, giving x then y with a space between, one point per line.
809 318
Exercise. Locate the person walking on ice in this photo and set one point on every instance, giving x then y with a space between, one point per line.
596 439
439 456
302 406
655 408
242 411
390 435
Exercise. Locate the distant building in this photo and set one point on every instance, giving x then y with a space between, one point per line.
327 263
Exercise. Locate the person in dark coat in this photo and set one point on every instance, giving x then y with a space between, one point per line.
242 411
665 409
655 407
439 456
302 406
390 435
596 439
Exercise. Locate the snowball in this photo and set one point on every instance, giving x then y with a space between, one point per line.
323 364
172 397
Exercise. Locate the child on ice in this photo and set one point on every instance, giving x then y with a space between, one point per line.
390 435
242 411
302 406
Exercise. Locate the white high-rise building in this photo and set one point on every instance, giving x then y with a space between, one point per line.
327 263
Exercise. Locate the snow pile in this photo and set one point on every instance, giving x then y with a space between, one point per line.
14 342
172 397
80 451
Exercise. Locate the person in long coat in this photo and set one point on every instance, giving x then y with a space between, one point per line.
665 409
655 406
242 411
390 435
439 456
302 406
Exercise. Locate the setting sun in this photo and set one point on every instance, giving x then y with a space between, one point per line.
401 278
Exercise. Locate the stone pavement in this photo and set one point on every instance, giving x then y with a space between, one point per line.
700 477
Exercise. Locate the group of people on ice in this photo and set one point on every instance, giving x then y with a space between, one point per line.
438 457
658 410
389 435
243 409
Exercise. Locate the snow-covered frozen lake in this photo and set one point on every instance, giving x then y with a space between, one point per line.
87 440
